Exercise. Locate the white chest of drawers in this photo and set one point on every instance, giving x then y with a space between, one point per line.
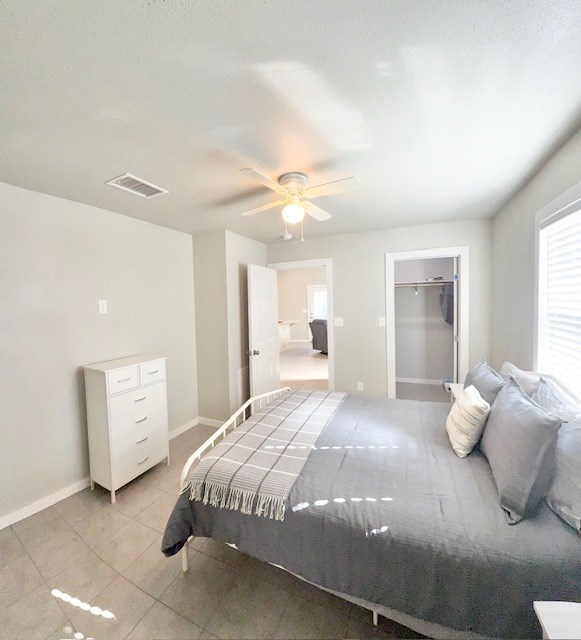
126 418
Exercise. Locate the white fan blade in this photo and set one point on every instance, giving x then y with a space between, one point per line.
337 186
264 207
316 212
253 174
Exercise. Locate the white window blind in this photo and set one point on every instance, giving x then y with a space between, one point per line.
560 301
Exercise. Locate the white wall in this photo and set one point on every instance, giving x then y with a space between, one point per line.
359 290
424 269
57 259
220 264
292 298
212 324
240 252
513 309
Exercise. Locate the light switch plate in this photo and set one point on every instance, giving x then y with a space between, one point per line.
102 306
338 322
382 321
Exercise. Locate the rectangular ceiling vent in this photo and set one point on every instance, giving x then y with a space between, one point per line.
137 186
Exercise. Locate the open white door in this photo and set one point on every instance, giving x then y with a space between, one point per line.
263 349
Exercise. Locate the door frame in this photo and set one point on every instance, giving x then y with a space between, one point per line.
328 264
463 286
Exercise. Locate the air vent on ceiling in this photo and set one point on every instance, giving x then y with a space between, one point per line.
137 186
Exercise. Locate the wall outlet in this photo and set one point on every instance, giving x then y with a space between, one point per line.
338 322
360 386
382 321
102 306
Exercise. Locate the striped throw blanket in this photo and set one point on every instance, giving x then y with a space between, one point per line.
255 467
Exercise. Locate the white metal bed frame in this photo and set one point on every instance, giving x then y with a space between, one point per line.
235 420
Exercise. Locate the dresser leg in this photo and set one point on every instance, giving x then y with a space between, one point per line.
168 459
112 497
375 618
92 485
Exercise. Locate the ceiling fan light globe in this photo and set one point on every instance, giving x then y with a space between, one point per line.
293 213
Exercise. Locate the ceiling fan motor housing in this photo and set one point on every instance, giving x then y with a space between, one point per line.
296 183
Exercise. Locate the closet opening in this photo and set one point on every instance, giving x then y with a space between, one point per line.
426 322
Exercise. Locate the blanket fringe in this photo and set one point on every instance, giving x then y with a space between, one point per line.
246 502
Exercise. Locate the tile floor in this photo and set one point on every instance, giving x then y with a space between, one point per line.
425 392
304 368
109 556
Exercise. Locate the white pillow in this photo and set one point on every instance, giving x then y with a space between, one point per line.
466 420
527 380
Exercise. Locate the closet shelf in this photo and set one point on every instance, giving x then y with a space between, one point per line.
424 283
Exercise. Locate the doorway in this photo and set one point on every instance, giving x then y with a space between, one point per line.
305 327
427 322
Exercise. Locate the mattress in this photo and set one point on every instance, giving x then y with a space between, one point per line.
384 511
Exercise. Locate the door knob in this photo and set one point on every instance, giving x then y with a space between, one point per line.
255 352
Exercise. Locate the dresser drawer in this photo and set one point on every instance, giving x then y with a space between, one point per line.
137 463
122 379
137 421
152 371
137 400
130 444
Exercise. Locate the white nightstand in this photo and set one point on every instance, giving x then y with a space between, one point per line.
455 390
559 619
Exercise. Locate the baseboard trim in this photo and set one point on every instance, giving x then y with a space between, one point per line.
420 381
210 422
66 492
43 503
174 433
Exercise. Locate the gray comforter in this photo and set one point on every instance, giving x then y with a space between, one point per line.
389 514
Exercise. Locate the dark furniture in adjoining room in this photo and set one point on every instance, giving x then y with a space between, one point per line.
319 331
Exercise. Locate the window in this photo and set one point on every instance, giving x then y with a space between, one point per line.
559 311
320 304
317 301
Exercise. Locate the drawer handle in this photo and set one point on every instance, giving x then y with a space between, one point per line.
141 399
124 380
142 420
150 373
143 440
144 460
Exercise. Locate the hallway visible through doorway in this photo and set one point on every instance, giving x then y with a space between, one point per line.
305 321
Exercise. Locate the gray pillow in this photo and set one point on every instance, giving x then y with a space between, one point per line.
528 380
519 441
486 380
564 496
548 396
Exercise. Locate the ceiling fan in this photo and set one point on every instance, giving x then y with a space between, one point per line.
295 197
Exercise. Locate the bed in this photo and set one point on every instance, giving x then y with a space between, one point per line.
385 514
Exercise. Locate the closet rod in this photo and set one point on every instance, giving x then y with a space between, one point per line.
431 283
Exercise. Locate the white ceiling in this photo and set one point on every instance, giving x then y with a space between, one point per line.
441 108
